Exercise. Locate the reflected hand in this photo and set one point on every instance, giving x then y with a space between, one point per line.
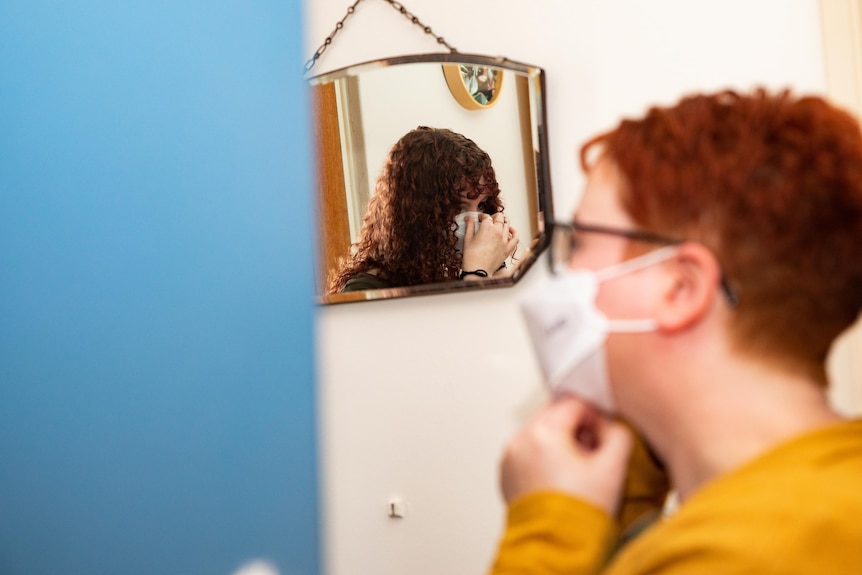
487 247
515 265
568 447
514 240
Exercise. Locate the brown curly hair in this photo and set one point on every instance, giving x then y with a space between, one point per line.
408 234
773 185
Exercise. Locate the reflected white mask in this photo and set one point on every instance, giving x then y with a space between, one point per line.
462 227
568 331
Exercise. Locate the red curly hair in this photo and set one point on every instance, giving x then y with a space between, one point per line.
772 184
408 234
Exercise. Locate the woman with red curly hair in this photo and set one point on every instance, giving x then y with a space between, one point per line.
436 215
712 262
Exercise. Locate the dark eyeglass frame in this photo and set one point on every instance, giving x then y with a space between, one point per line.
575 226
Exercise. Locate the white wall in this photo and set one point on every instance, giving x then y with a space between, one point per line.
418 395
842 35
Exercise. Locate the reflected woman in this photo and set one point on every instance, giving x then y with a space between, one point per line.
436 216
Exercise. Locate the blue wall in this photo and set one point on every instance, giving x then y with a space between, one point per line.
156 383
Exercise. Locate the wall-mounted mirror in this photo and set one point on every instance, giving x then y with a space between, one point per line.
363 111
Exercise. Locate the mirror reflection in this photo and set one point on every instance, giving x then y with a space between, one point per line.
435 216
474 87
417 194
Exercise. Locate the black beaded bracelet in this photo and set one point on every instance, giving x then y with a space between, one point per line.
480 273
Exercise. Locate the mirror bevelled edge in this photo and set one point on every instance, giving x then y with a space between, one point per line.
354 126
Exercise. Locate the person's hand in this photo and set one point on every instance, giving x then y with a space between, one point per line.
509 270
488 247
568 447
515 265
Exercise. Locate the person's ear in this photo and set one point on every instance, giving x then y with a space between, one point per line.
693 283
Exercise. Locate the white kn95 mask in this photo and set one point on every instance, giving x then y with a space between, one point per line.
569 332
460 221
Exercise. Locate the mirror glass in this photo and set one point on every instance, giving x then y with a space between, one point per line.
361 112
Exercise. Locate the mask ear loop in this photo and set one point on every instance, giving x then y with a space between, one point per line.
635 264
627 267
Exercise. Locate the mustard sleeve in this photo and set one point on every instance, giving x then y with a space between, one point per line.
552 533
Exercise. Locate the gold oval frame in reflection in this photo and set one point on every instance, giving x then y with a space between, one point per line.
470 84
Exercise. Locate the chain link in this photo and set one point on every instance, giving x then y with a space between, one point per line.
351 9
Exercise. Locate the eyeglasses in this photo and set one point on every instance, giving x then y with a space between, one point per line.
565 242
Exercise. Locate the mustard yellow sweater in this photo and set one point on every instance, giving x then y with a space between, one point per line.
795 510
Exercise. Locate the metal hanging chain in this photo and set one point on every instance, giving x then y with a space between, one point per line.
427 29
351 9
